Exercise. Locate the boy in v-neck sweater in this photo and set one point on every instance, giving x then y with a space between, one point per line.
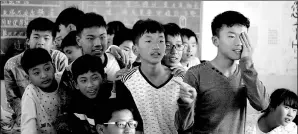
222 85
150 88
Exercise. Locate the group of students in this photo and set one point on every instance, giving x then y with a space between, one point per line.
109 79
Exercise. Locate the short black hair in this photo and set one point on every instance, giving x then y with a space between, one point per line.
41 24
69 40
86 63
114 26
122 36
282 96
68 16
34 57
146 26
110 106
89 20
228 18
188 33
172 29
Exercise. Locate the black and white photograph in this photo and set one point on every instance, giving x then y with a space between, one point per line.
149 67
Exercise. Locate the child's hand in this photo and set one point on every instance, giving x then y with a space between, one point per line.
120 73
246 46
187 93
119 54
178 70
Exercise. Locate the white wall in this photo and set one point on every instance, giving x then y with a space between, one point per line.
276 62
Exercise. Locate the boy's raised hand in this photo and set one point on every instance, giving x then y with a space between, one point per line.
178 70
246 46
119 54
187 93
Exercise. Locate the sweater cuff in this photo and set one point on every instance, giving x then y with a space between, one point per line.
183 105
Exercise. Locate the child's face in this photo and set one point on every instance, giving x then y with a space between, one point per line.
190 49
228 42
63 30
123 115
42 75
89 84
43 39
110 39
151 47
284 114
93 40
72 53
174 50
58 40
127 47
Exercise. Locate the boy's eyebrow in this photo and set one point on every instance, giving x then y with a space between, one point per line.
36 34
34 69
161 36
148 36
103 34
90 35
231 32
82 77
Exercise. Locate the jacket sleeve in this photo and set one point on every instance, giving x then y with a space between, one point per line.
12 91
184 115
256 91
124 96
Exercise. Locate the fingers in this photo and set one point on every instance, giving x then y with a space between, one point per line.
125 58
120 73
118 55
244 39
184 94
177 70
181 83
184 87
122 54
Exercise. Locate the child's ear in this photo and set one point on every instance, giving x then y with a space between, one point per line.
134 49
27 42
76 85
99 128
78 38
71 27
215 40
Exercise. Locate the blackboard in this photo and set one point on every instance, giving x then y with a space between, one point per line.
15 15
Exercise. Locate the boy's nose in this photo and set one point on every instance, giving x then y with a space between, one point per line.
43 75
97 42
238 41
41 41
291 113
156 46
174 50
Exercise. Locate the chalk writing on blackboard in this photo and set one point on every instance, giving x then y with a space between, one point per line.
182 21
